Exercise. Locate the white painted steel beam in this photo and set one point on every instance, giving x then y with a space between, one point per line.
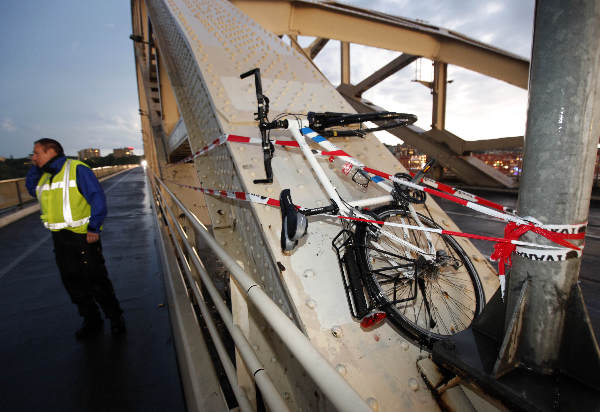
384 72
206 45
316 46
361 26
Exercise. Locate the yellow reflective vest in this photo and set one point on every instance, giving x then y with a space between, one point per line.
62 205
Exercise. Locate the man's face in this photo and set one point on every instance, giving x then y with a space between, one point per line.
40 156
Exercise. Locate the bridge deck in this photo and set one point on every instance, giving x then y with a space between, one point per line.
43 366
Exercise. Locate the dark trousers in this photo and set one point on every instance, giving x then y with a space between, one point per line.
84 275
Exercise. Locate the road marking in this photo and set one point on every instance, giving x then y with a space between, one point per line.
18 260
116 183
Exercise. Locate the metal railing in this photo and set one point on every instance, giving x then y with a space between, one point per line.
13 193
329 381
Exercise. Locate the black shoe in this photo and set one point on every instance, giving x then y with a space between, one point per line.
89 328
117 325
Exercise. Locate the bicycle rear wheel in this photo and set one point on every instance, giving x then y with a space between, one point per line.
433 300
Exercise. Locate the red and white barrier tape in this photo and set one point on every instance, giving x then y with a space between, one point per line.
217 142
248 197
516 227
334 151
503 248
465 195
263 200
251 140
342 155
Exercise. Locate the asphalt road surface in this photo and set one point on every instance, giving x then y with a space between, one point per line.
43 367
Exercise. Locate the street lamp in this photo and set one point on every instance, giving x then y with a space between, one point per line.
138 39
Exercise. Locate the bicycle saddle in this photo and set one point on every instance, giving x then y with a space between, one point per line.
293 223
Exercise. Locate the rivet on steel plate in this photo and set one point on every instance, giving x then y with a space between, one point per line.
404 346
336 331
311 303
341 369
413 384
373 404
308 273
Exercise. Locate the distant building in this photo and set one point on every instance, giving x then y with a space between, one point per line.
411 158
509 162
85 154
123 152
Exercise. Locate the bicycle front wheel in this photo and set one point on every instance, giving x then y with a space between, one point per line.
437 297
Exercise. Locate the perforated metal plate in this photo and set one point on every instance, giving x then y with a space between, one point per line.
207 45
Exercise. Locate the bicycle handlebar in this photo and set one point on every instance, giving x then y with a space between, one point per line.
257 81
317 121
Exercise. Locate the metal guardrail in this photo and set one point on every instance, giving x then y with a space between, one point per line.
104 171
14 193
329 381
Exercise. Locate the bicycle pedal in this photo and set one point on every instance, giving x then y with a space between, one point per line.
293 223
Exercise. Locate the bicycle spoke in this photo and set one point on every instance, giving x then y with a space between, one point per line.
449 287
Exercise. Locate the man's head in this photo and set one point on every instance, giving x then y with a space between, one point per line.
44 150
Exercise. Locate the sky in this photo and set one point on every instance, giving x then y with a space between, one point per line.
478 107
67 71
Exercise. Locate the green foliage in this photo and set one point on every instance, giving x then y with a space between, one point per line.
110 160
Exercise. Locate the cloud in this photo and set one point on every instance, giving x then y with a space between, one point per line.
8 125
477 106
127 124
492 8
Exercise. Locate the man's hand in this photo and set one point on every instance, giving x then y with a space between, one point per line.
92 237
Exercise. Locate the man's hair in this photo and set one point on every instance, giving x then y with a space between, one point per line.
51 144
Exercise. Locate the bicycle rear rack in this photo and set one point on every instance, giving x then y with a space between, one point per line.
352 274
363 297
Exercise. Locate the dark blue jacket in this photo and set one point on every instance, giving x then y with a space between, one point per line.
88 186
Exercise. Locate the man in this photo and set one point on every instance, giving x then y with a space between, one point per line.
73 207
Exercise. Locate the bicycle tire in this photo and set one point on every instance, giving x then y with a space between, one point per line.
323 120
455 294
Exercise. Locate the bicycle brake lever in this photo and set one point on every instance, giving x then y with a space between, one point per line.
268 150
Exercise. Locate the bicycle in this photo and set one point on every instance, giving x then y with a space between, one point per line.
395 263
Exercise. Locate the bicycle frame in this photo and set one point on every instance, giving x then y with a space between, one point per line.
295 126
